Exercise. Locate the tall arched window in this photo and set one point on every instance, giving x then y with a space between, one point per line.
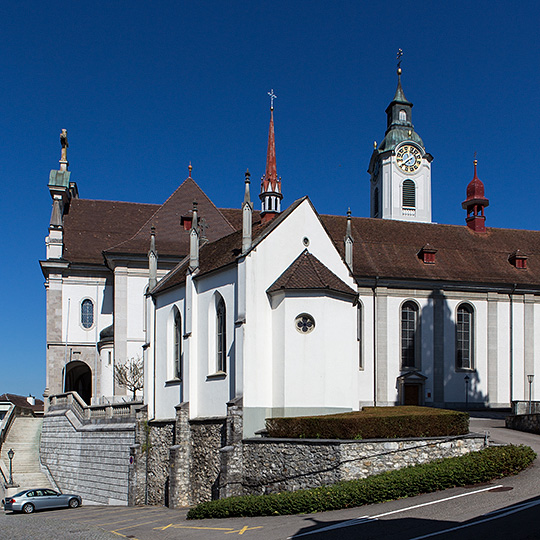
221 336
409 338
177 351
464 337
87 313
402 116
409 194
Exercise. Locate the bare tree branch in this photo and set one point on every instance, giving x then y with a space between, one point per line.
130 374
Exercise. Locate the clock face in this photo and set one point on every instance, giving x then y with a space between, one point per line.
409 158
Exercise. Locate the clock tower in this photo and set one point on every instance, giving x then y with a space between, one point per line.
400 167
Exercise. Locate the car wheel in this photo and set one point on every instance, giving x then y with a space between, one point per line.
73 503
28 508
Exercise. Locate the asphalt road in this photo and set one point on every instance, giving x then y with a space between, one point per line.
509 509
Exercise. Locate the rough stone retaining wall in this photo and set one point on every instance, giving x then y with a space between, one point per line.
274 465
524 422
89 459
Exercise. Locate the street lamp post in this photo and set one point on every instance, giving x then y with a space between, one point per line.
530 380
10 454
467 379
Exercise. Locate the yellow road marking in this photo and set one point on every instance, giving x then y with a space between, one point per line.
226 530
244 529
137 525
122 535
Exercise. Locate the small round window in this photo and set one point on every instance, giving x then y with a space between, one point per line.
304 323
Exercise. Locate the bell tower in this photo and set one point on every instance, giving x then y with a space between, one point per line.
400 167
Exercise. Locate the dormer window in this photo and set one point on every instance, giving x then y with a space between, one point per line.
518 259
427 254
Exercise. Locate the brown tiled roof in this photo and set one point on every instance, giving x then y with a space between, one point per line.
223 252
234 216
92 226
389 249
171 239
307 272
21 401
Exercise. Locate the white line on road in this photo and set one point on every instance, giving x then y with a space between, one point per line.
492 516
367 519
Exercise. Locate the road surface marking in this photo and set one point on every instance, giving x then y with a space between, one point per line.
367 519
244 529
493 515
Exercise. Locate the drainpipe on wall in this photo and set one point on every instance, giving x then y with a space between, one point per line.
375 341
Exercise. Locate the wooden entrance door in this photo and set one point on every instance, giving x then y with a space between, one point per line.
411 394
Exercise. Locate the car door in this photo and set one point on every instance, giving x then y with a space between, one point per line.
37 499
50 499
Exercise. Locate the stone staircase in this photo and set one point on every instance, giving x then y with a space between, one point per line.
23 438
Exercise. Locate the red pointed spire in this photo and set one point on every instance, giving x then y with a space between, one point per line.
270 177
270 183
475 204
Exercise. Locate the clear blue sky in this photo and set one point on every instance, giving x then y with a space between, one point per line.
145 87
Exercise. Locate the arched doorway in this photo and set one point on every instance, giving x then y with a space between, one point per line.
78 378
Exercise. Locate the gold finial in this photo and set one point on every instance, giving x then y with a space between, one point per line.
190 168
374 145
410 132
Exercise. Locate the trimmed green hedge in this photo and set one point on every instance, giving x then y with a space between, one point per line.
373 423
476 467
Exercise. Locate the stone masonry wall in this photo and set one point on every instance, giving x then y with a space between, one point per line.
91 460
274 465
524 422
207 437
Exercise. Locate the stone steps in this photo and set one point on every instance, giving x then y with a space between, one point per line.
23 438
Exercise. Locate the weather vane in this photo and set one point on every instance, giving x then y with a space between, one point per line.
398 57
272 97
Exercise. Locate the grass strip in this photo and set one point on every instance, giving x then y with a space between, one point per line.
473 468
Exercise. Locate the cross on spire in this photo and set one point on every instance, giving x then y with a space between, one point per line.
272 97
398 57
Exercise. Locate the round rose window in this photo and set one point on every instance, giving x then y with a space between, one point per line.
304 323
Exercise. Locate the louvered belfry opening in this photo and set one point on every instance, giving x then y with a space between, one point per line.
409 194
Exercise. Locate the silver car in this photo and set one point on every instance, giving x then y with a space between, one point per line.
29 500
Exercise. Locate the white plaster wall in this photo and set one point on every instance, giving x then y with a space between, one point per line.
74 291
263 266
213 392
503 353
167 394
106 379
365 375
317 369
137 283
520 392
392 182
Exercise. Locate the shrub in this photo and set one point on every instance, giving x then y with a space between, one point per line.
373 423
472 468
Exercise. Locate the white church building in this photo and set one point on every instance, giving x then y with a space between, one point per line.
291 311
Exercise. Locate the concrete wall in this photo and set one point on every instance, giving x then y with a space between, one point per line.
91 460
